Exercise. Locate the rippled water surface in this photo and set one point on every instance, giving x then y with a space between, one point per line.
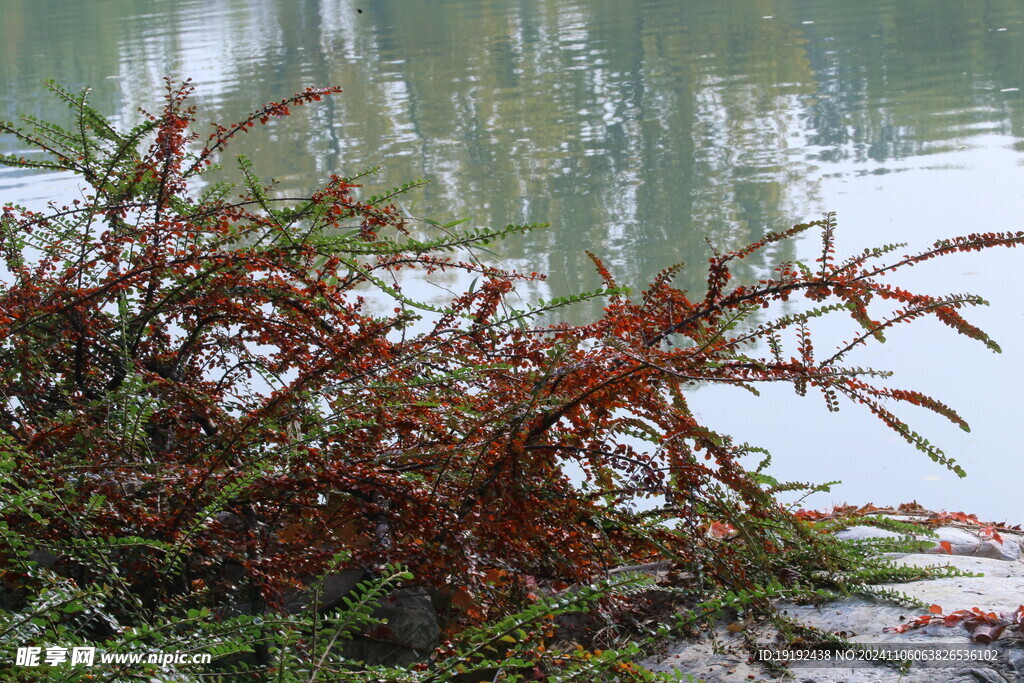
639 129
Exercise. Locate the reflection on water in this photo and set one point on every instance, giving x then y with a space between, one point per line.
638 128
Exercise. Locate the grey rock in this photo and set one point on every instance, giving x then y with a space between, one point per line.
1000 589
969 541
982 676
410 631
865 532
972 542
864 621
975 565
329 593
714 660
45 557
1015 659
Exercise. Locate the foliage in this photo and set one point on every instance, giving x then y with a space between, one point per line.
307 646
205 402
984 627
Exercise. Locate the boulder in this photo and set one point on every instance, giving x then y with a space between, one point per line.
961 541
334 587
997 586
409 629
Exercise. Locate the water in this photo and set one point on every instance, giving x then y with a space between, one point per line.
639 129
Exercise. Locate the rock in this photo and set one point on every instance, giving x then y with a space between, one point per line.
335 586
44 557
965 540
865 532
1015 658
724 657
410 632
1000 589
410 629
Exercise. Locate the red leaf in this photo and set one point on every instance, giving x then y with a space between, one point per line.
990 532
985 633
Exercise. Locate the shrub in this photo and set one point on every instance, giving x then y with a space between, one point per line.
204 398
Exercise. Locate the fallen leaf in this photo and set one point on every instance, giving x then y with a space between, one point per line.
985 633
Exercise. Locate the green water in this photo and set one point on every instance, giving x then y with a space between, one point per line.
640 130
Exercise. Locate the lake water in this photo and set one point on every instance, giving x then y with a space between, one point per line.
638 129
